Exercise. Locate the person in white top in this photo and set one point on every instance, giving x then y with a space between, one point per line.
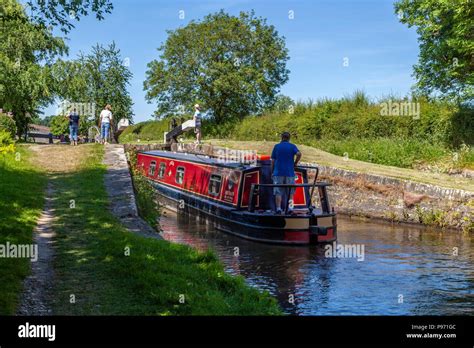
197 123
105 122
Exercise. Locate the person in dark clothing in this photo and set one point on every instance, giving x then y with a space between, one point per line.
73 126
283 164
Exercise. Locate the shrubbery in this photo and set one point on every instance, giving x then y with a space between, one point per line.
59 125
8 124
145 131
7 143
357 117
147 204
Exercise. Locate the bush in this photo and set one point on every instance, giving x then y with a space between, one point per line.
357 117
59 125
7 143
147 204
8 124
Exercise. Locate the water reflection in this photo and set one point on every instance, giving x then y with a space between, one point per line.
406 270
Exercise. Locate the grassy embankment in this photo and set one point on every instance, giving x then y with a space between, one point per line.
439 140
21 202
92 262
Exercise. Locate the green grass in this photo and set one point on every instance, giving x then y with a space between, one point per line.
145 131
91 263
21 202
404 153
399 152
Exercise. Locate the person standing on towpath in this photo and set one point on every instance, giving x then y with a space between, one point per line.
105 122
73 126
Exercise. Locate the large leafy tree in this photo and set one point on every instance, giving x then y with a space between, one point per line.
232 65
446 36
100 77
27 53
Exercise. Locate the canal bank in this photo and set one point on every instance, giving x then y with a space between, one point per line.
384 193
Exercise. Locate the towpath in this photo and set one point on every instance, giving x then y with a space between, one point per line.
37 296
56 160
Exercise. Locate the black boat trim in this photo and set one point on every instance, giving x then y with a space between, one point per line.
243 212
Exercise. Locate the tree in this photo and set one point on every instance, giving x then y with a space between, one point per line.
446 36
232 65
101 78
282 103
61 13
27 52
59 125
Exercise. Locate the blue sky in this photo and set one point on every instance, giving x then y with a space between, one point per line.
380 50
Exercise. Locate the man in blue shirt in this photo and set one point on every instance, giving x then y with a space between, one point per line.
283 164
73 126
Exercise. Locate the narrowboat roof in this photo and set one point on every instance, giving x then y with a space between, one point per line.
197 158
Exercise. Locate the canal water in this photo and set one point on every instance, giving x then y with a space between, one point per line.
386 270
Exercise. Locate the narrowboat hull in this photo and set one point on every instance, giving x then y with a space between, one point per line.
263 227
238 197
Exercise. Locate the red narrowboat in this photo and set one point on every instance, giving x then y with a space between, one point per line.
237 196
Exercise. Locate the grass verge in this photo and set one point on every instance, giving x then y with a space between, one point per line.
399 152
21 202
104 269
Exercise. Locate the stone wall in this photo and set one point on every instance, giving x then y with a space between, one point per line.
397 200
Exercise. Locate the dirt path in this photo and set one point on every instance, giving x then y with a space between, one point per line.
38 286
37 296
313 155
59 159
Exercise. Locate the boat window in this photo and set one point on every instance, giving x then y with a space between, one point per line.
161 172
180 175
215 184
151 169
